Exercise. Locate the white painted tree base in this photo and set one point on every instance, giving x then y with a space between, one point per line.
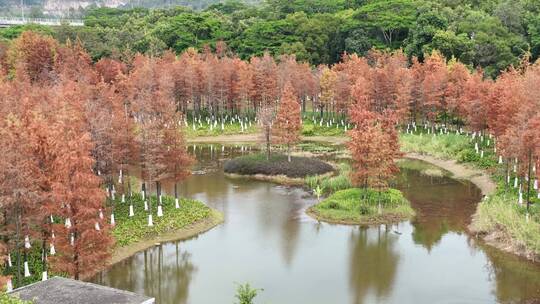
113 222
145 206
159 211
176 203
27 242
26 270
150 222
131 212
44 276
9 286
9 260
96 226
53 250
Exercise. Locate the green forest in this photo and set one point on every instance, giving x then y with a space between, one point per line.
491 34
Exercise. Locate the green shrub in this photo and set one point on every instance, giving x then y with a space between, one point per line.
277 165
331 184
245 293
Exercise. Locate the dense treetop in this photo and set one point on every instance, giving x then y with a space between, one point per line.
492 34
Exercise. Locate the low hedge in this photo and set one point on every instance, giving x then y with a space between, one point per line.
278 164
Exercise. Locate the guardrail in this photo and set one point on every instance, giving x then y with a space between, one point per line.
42 21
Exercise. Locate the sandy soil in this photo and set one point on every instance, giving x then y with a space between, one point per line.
194 229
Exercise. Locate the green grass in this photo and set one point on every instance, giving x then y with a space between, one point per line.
129 230
361 206
443 146
314 129
499 214
228 129
331 184
423 167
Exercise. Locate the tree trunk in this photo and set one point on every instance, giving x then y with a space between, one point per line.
17 243
529 182
289 152
267 144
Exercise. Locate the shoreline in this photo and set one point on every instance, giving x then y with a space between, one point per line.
214 219
256 137
387 219
277 179
460 171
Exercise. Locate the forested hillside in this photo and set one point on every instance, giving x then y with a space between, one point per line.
491 34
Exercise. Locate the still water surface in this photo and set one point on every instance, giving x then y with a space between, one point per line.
268 241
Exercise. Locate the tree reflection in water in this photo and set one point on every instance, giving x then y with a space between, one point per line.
165 276
373 263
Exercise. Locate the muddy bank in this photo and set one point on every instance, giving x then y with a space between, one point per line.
460 171
277 179
383 219
215 218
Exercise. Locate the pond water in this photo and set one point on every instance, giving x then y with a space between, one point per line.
268 241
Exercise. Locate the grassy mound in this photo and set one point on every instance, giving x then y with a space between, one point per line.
361 206
278 164
129 230
505 224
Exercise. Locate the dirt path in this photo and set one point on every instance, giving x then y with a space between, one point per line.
460 171
251 138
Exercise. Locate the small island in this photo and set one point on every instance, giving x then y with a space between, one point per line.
279 126
276 168
356 206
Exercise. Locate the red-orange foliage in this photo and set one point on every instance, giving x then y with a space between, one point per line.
458 75
374 141
265 88
434 86
475 98
82 248
110 69
36 56
287 124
